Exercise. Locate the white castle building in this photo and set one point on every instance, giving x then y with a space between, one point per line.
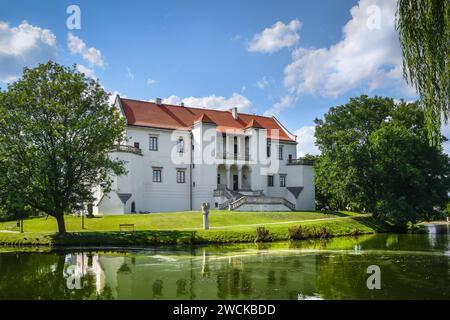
178 157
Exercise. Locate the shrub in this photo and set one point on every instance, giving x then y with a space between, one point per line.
297 233
262 234
323 233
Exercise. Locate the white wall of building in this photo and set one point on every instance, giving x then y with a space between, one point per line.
169 195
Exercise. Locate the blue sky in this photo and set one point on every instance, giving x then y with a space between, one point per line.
291 59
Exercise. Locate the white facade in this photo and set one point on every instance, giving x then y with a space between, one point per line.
229 170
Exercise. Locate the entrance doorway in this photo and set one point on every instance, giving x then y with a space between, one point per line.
235 182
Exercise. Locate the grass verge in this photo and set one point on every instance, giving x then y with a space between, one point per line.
335 226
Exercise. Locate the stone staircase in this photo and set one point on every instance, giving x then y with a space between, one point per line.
261 203
249 200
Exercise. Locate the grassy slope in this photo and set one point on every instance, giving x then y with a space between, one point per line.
184 227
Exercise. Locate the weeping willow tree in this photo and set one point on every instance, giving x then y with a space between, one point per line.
424 28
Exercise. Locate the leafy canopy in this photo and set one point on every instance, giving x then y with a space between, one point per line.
376 158
424 28
56 129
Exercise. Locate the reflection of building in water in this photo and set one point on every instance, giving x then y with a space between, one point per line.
85 264
205 276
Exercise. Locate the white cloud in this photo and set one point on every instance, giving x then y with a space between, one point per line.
24 45
91 55
262 83
368 56
306 141
87 71
150 82
213 102
275 38
285 102
236 37
130 74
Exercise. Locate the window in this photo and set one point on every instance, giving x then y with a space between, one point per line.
247 148
280 152
224 146
216 204
181 176
180 145
268 148
283 180
153 145
235 149
218 179
157 175
270 181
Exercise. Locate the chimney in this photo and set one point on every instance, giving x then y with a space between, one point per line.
234 113
182 104
158 101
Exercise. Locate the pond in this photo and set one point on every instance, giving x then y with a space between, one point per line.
412 266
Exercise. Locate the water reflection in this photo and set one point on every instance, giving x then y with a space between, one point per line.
413 266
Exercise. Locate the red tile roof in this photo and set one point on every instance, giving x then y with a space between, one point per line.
149 114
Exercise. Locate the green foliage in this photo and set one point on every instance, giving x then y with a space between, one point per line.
446 210
300 233
262 234
56 129
376 158
297 233
424 27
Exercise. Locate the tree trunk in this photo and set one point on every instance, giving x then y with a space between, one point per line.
61 224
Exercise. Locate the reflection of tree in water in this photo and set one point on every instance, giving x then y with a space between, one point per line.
283 277
414 276
41 276
233 282
124 268
157 288
181 287
271 278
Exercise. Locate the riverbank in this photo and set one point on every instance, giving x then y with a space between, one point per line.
185 228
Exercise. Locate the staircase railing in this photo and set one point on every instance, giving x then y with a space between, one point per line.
259 200
239 202
288 204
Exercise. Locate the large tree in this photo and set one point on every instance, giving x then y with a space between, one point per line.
56 129
424 27
376 158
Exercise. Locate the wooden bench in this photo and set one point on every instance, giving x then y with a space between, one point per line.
11 227
126 227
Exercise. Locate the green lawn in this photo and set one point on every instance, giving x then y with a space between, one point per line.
183 228
173 220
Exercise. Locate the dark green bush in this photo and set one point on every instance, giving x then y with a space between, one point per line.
262 234
323 233
297 233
